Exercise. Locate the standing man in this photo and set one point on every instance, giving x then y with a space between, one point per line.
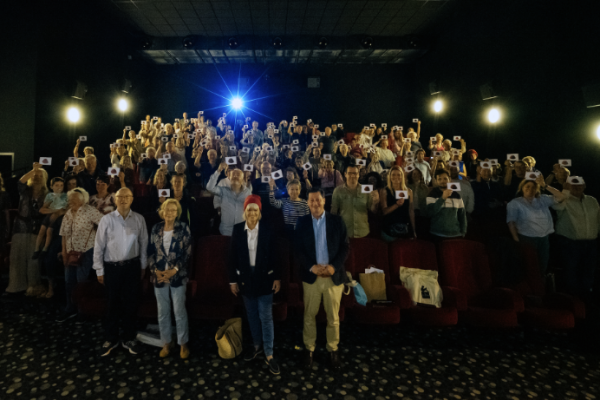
120 261
321 249
88 177
352 205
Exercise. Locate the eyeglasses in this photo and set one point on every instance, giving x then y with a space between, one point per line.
123 197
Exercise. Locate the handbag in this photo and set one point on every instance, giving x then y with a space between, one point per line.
422 285
229 338
398 229
359 292
75 258
374 286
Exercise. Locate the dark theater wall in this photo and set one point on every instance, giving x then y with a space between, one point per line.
541 53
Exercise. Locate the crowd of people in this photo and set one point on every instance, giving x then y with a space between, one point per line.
317 185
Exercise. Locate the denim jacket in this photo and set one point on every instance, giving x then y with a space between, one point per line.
177 256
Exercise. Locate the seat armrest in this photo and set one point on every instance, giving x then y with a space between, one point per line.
401 296
566 302
504 298
454 297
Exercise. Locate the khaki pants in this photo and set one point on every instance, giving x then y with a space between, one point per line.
332 296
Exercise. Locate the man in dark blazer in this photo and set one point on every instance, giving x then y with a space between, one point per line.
321 246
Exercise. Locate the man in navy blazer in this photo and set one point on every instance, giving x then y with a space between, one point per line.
321 246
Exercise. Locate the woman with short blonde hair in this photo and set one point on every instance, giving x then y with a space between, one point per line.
397 206
169 251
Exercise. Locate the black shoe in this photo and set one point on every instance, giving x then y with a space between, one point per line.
251 354
66 316
36 255
336 363
107 347
308 359
273 367
133 346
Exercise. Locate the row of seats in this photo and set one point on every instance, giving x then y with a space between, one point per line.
465 276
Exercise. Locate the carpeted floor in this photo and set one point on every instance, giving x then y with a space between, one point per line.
42 359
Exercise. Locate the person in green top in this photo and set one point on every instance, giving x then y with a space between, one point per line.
446 209
352 205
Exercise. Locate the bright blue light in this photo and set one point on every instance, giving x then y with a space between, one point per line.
237 103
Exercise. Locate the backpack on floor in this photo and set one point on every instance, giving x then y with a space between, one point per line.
229 338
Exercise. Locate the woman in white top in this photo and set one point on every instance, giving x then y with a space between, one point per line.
385 154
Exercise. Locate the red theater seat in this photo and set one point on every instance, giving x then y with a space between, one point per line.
464 267
557 311
421 254
140 190
213 299
366 252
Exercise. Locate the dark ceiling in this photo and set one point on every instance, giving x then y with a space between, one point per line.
393 25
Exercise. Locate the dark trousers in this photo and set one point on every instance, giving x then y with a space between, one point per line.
74 275
579 259
122 287
542 247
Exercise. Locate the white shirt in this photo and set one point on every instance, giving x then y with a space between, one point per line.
252 242
167 237
120 239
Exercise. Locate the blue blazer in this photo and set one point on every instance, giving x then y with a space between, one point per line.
177 255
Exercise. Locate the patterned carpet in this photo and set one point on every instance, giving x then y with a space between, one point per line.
45 360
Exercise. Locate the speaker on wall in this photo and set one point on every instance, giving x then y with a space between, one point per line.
591 95
488 91
80 91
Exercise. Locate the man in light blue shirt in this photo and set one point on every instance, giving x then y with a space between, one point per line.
319 228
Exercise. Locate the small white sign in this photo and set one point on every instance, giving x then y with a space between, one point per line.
307 166
128 128
257 149
327 156
295 142
512 157
166 156
372 125
360 161
315 137
163 161
454 186
494 161
415 120
401 194
341 142
485 164
144 155
73 161
230 160
276 130
564 163
164 193
454 164
245 150
406 140
575 180
456 138
366 188
432 138
340 125
113 171
265 179
248 167
317 126
384 137
315 144
277 175
409 168
295 148
409 159
164 139
46 160
83 138
232 148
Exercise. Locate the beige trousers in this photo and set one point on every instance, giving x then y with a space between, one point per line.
24 272
332 296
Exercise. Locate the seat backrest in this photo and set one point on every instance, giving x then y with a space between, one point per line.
366 252
210 265
411 254
464 264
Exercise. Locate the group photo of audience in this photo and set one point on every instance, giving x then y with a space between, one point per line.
136 216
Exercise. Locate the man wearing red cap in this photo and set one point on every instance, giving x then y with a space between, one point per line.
256 274
321 250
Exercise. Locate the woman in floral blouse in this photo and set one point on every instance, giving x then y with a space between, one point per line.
169 250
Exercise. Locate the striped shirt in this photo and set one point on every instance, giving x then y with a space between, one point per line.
292 210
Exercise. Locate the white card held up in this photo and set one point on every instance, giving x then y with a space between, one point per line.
512 157
248 167
164 193
454 186
257 149
437 153
494 161
315 137
401 194
564 163
277 175
531 176
315 144
409 168
327 156
113 171
270 136
485 164
322 133
295 117
317 126
295 148
341 142
432 138
360 161
406 140
163 161
128 128
166 156
265 179
575 180
74 162
144 155
46 160
164 139
201 112
83 138
295 141
384 125
276 130
457 138
230 160
384 137
366 188
217 137
245 126
245 150
454 164
409 159
285 146
269 148
372 125
155 118
191 136
224 115
176 136
307 166
232 148
340 125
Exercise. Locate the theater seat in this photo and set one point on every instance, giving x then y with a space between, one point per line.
556 311
213 299
367 252
90 299
421 254
464 268
140 190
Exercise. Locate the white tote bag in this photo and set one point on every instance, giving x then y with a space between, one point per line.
422 285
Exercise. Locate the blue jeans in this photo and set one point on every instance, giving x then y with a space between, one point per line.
74 275
542 247
260 319
164 313
579 258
